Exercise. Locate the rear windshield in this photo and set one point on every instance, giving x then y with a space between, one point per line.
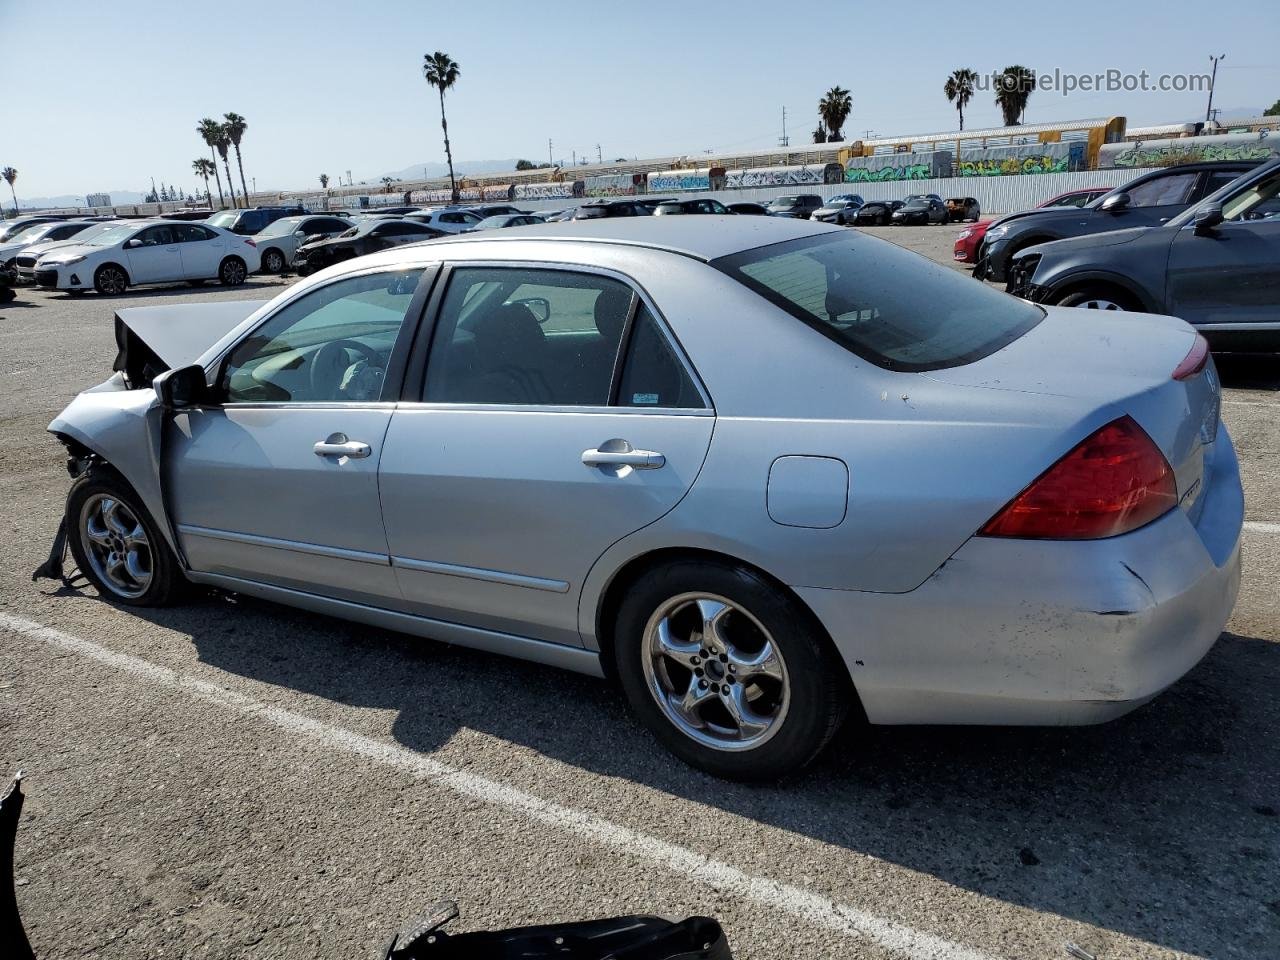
886 304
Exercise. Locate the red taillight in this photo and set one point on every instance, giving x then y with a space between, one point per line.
1114 481
1194 361
250 242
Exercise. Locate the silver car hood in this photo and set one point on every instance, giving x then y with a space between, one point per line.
154 339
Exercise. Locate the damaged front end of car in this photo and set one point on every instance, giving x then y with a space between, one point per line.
119 422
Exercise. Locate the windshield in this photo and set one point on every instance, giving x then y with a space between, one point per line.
27 234
488 223
281 227
224 219
1259 201
87 233
117 234
852 290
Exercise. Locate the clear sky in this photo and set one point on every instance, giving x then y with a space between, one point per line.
105 94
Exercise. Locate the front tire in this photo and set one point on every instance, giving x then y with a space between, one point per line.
273 261
728 670
117 545
1097 297
110 280
232 272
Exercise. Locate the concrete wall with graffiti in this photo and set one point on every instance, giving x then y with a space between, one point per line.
1027 158
615 185
890 167
1163 153
500 191
791 176
675 181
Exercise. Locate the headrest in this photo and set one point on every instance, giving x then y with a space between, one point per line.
611 312
511 331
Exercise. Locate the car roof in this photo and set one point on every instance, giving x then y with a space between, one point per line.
703 238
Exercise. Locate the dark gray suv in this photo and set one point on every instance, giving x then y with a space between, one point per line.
798 206
1216 265
1150 200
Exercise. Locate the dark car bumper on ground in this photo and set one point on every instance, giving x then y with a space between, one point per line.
993 257
1018 279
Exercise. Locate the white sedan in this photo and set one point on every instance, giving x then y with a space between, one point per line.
149 251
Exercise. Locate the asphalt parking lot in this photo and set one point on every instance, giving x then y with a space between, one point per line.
236 779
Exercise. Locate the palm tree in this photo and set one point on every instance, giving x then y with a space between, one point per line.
324 181
959 89
208 129
1014 86
203 166
834 109
236 125
222 145
10 175
441 71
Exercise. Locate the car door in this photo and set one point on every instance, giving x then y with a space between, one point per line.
531 447
154 255
202 250
1227 278
276 480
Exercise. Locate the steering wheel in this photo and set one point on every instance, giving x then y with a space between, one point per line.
330 364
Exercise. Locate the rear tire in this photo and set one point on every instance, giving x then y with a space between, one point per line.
232 272
110 280
117 545
690 651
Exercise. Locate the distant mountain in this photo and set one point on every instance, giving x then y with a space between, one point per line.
72 200
430 171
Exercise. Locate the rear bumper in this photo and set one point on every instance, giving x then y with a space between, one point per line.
1047 632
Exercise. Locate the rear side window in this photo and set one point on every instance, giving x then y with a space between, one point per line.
886 304
652 374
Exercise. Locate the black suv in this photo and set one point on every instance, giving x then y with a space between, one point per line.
248 222
1152 199
798 206
610 208
1216 265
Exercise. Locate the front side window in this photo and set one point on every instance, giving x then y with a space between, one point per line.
157 237
332 345
1162 191
852 290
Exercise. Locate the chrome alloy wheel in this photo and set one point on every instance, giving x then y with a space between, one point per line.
233 273
116 545
715 672
112 280
1097 304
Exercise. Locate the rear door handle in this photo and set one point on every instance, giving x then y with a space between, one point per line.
619 453
337 445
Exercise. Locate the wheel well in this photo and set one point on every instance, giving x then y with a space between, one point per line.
271 250
230 256
1117 290
632 570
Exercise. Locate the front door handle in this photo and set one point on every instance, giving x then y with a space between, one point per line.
337 445
620 453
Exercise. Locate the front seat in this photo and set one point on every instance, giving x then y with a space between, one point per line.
510 355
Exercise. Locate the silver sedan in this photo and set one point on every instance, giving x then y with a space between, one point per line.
763 473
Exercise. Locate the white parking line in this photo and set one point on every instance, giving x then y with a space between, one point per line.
803 904
1262 526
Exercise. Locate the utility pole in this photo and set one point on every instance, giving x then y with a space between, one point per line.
550 159
784 140
575 157
869 134
1208 113
599 155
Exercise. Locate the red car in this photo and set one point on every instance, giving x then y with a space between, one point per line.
969 239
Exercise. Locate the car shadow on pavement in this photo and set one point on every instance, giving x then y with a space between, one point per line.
1161 825
1248 371
169 290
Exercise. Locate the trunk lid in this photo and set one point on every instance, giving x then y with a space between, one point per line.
1121 363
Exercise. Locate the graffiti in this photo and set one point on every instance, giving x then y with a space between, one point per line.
549 191
670 182
614 185
782 176
1014 166
504 191
1190 152
910 171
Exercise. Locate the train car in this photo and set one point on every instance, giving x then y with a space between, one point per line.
1162 153
689 178
881 168
1168 131
1028 158
1093 133
784 176
615 185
